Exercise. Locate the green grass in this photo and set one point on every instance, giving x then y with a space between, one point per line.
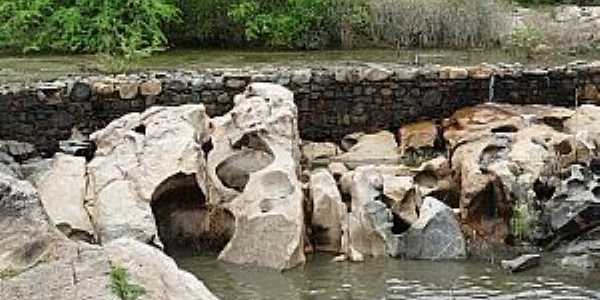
121 286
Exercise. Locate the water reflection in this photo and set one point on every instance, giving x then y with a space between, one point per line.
390 279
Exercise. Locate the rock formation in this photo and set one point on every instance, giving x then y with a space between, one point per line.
253 171
135 154
328 212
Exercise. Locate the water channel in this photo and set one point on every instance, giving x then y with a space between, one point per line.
391 279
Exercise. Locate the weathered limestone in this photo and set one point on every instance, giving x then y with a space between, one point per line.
135 155
370 149
328 212
500 152
83 272
252 172
62 190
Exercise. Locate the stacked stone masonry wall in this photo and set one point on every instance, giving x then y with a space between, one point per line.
332 101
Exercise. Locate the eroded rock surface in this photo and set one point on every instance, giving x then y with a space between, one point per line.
62 190
84 272
252 171
328 212
135 154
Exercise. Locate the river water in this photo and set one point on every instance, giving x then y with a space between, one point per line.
387 278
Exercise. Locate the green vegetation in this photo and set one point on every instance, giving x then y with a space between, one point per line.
120 285
126 28
522 221
8 273
120 34
526 41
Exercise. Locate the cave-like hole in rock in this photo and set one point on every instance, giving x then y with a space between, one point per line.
488 201
252 155
556 123
505 129
186 223
426 178
399 226
595 166
543 191
450 198
596 191
563 148
141 129
207 147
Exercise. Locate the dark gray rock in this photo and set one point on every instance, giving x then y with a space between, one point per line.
435 235
80 92
575 207
522 263
19 151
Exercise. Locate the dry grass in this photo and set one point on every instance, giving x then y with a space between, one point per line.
440 23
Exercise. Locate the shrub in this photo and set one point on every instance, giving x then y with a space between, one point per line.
292 24
120 285
524 40
115 27
204 22
439 23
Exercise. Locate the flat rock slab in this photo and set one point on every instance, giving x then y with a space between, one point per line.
522 263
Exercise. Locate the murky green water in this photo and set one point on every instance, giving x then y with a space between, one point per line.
386 278
18 68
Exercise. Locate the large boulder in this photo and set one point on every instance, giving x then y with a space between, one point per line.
435 235
62 190
328 212
88 272
135 155
252 171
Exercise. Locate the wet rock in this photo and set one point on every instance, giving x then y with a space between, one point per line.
135 154
435 235
268 202
84 272
328 212
62 190
522 263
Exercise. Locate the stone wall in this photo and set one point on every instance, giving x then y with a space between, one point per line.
332 101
